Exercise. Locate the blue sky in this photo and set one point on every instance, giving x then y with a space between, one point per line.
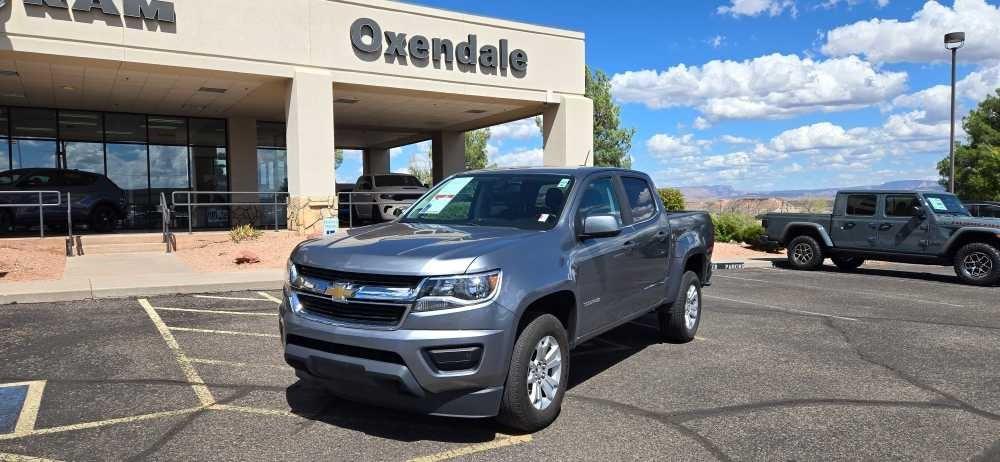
766 94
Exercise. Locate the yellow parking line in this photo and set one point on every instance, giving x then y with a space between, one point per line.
270 297
103 423
224 332
198 385
217 297
475 448
252 410
191 310
5 457
29 407
216 362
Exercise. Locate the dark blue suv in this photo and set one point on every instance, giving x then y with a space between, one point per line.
97 201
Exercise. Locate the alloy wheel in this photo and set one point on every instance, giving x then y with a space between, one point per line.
803 253
692 305
978 265
544 373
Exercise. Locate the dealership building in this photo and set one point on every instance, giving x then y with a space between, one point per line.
256 95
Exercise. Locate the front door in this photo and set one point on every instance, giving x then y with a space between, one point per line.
598 261
900 229
855 225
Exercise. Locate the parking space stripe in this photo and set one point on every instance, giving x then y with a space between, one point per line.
104 423
217 297
781 308
223 332
216 362
873 294
197 384
192 310
269 297
29 409
252 410
475 448
5 457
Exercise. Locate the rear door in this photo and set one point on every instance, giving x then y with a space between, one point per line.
899 230
598 262
855 224
646 271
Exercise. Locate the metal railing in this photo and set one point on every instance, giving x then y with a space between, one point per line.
191 206
348 199
41 205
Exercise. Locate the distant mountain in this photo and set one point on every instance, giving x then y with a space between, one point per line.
701 193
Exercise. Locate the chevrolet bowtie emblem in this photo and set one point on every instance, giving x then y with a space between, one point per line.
340 292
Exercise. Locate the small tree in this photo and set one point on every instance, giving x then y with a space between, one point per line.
673 199
475 149
338 158
612 143
421 169
977 164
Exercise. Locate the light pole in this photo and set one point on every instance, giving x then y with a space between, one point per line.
953 41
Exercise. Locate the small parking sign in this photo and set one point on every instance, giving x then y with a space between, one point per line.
330 226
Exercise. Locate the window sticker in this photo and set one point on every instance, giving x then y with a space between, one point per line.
543 218
444 197
937 204
563 183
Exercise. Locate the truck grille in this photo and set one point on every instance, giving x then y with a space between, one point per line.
385 280
369 314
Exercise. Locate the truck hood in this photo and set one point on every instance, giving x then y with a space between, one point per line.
969 222
407 248
399 189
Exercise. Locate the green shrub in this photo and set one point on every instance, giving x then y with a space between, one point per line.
244 233
673 199
736 227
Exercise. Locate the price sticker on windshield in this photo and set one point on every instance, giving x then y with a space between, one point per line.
445 195
563 183
937 204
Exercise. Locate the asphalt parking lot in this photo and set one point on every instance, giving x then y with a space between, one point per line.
891 362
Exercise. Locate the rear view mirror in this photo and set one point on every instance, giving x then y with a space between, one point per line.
600 226
919 212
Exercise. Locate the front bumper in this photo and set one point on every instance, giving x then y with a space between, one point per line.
393 368
389 211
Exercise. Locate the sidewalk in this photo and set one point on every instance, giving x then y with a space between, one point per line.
139 274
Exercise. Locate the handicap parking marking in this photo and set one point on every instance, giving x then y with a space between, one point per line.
501 441
216 362
232 312
5 457
190 373
222 332
245 299
269 297
19 403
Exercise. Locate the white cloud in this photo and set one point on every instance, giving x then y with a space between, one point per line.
522 158
730 139
823 135
922 38
717 41
700 123
900 134
834 3
665 146
936 101
737 8
769 87
516 130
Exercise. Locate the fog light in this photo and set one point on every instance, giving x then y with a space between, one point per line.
456 359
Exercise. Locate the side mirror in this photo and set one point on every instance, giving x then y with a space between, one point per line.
600 226
919 212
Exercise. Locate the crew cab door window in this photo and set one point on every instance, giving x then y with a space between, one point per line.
855 225
640 199
901 230
599 198
862 205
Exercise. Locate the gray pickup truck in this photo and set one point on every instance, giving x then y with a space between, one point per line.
469 304
900 226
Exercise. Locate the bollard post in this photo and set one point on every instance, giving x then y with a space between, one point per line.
190 215
274 209
41 217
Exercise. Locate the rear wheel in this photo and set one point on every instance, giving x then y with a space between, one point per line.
679 320
538 376
978 264
102 219
848 263
805 253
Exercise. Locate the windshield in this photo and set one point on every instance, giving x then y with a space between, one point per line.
946 204
518 201
382 181
9 178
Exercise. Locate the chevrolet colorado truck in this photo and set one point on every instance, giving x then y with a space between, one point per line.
921 227
469 303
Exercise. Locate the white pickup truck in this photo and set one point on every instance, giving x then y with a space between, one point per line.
384 197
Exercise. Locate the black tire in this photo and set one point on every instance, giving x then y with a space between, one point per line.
6 221
516 409
848 263
102 219
978 264
673 319
805 253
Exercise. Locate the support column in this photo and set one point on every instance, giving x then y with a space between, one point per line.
243 167
375 162
447 154
568 132
311 174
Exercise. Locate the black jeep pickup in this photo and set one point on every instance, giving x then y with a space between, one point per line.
921 227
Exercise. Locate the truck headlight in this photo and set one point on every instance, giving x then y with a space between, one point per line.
293 274
442 293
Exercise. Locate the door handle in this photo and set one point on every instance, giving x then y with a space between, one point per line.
885 227
872 226
629 244
847 226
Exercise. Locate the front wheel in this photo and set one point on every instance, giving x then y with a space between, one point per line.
978 264
679 320
538 376
805 253
848 263
102 219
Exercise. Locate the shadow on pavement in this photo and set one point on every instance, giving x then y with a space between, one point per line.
914 275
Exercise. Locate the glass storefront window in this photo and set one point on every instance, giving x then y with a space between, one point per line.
168 167
128 168
168 130
33 123
127 128
81 126
207 132
272 173
4 155
33 153
88 157
270 135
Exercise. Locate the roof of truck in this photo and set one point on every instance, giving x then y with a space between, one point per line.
890 191
574 171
